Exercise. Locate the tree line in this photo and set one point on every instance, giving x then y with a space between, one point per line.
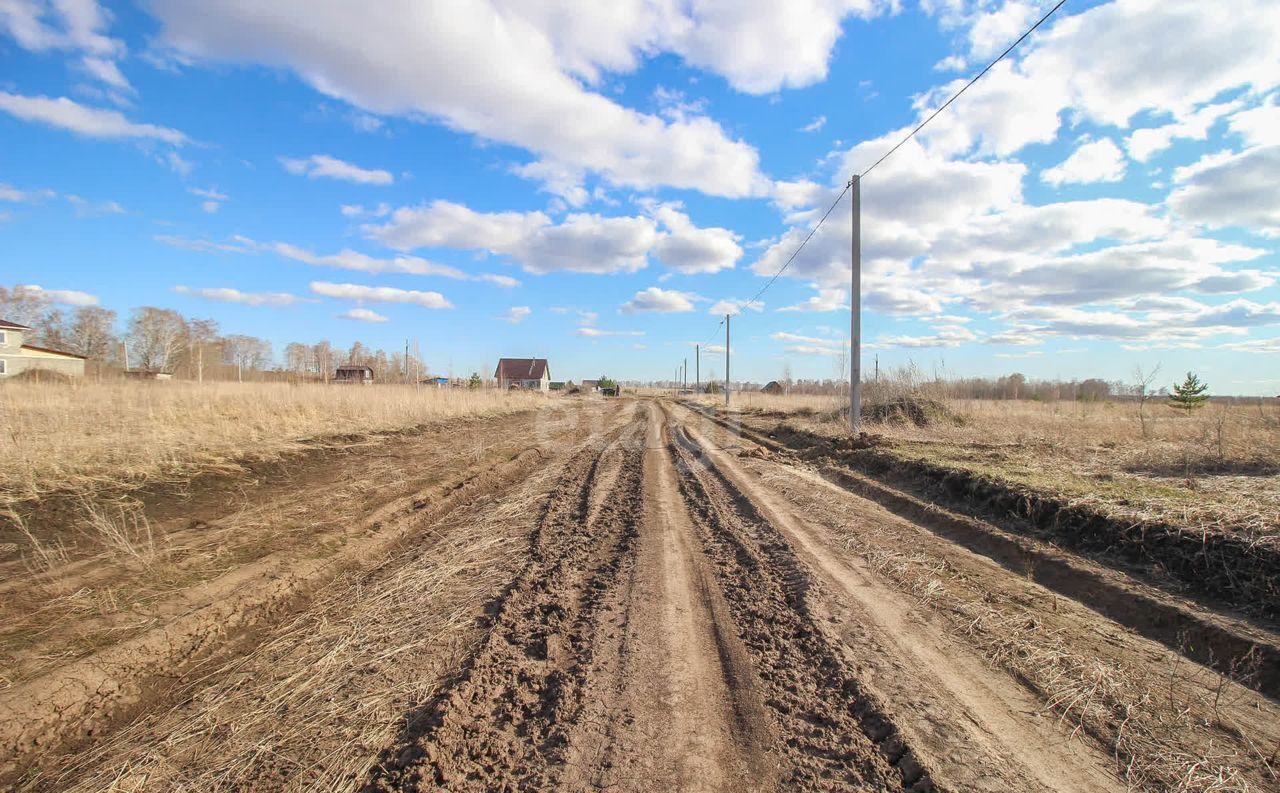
163 340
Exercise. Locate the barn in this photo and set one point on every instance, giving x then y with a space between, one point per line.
525 373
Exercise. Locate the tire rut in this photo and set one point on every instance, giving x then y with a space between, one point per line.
835 736
510 718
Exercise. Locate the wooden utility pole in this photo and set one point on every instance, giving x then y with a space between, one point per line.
726 361
855 309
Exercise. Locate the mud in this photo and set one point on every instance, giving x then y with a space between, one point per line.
656 602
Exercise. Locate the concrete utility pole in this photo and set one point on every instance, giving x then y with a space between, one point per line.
697 367
855 310
726 361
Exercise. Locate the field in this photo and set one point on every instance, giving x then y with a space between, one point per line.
298 588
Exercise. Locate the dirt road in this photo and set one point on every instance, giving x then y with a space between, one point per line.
654 602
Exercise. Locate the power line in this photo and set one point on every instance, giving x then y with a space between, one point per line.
966 87
886 156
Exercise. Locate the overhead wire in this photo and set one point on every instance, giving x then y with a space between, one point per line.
886 156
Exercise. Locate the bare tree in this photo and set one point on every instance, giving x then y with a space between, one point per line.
23 306
247 352
200 334
92 333
1144 378
297 358
322 358
156 337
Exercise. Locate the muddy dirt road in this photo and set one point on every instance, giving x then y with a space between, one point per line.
645 600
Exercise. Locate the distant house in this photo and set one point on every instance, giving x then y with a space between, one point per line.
590 385
354 375
772 387
524 373
437 381
16 357
146 374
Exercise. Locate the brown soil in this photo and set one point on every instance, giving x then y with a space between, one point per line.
632 597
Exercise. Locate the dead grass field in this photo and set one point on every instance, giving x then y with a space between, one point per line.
1215 469
86 437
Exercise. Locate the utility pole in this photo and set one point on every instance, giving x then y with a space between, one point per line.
684 375
726 361
697 367
855 308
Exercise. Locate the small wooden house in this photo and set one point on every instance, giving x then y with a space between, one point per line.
352 374
526 373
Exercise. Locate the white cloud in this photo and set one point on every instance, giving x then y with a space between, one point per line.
1231 189
75 25
593 333
688 249
176 163
824 300
381 294
505 281
322 166
662 301
89 121
85 208
945 336
733 307
585 243
213 198
516 314
228 295
13 194
1271 345
815 125
1093 161
1143 144
362 315
1258 125
815 341
199 245
528 68
347 259
68 297
358 210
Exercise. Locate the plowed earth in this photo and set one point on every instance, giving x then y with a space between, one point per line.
644 600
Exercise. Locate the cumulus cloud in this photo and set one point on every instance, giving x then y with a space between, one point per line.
381 294
813 126
92 122
1093 161
1143 144
662 301
528 68
1231 189
585 243
322 166
228 295
1257 125
77 26
362 315
688 249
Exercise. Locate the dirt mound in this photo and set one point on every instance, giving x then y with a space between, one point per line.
914 408
42 376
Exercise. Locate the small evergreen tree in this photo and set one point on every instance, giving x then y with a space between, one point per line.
475 381
606 382
713 387
1190 394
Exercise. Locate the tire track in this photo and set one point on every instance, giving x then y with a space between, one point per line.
834 735
674 703
508 721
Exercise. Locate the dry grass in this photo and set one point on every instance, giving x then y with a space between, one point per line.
1217 469
86 437
311 707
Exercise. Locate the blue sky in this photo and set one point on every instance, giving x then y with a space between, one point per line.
597 183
